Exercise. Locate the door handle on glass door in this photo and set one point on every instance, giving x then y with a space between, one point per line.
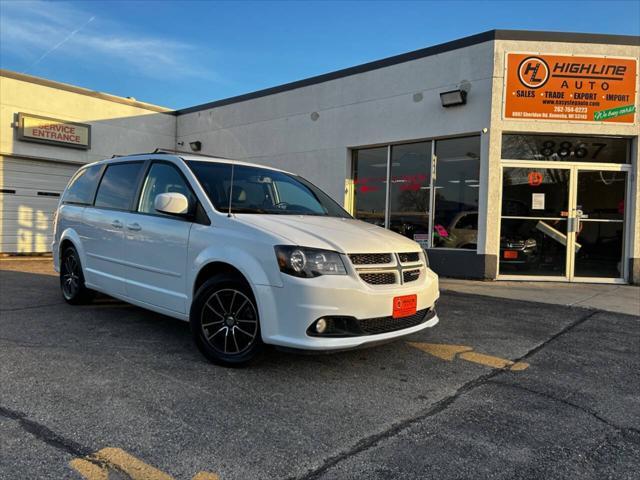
134 226
116 224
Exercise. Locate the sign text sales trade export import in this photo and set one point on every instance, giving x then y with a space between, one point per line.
568 88
34 128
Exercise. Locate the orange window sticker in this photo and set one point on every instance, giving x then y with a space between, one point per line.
535 179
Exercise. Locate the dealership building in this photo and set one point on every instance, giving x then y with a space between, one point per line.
506 155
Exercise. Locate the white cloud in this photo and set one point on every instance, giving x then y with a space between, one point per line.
39 31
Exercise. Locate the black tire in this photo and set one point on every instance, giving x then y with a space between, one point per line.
224 321
72 284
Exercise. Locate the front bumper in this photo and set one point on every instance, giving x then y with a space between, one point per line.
287 312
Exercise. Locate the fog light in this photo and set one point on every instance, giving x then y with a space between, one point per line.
321 325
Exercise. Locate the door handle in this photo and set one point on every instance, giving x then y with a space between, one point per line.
116 224
134 227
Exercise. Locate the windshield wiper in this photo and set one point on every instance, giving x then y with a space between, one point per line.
247 210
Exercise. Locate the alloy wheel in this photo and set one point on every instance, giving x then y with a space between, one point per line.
70 276
229 321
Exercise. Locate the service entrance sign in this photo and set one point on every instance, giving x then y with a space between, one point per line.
34 128
568 88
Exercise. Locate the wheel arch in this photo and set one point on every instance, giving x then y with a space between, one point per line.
215 268
70 238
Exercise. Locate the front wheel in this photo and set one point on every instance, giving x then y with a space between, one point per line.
72 284
224 321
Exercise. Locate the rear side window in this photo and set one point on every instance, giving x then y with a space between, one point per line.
82 187
118 186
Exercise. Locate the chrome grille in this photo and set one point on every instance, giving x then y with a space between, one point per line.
409 257
379 278
382 269
370 258
411 275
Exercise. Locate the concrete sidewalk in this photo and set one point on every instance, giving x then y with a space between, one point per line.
612 298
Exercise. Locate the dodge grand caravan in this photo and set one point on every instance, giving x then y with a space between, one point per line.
247 254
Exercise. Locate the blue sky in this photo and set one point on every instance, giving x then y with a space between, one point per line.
179 54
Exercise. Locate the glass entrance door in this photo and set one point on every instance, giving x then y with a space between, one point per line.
562 223
599 224
533 229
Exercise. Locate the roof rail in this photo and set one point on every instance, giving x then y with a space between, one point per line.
177 152
169 151
116 155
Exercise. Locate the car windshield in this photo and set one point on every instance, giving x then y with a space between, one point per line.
262 191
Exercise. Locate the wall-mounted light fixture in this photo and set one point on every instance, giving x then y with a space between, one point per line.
196 146
453 98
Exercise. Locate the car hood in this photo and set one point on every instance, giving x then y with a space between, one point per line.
344 235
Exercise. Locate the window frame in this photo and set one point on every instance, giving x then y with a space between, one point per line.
433 169
191 217
136 188
101 170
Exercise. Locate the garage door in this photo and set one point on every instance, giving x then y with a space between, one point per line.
29 194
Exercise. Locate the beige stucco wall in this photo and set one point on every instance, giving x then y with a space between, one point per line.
116 127
500 125
119 126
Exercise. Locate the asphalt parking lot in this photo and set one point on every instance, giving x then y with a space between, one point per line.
110 391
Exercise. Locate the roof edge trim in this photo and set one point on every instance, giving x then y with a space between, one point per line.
521 35
23 77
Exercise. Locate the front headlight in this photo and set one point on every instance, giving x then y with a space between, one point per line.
308 262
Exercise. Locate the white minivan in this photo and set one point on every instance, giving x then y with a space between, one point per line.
248 254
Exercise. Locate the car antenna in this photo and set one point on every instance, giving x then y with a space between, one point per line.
231 190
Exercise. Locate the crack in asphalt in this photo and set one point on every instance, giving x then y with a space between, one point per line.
18 309
45 434
57 441
586 410
371 441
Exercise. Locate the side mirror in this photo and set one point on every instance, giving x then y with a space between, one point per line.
172 203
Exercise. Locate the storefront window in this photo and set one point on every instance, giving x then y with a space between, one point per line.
565 148
456 193
370 182
409 194
454 200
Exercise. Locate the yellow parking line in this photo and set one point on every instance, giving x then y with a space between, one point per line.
118 459
206 476
90 471
443 351
450 352
136 469
519 366
493 362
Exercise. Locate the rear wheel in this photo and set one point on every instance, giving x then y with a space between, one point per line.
72 284
224 321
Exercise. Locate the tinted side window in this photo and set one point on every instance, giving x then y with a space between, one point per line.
297 198
82 187
118 185
163 178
